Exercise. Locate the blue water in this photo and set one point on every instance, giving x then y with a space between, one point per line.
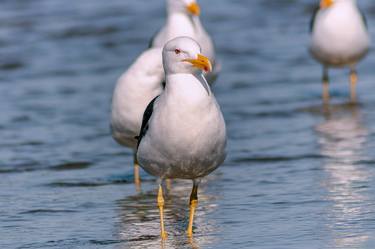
297 175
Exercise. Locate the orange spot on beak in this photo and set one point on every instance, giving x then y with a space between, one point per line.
326 3
194 9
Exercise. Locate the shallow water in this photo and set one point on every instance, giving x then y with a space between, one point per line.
297 175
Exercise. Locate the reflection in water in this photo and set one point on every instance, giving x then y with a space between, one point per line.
342 137
140 226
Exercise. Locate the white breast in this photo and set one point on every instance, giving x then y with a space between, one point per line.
339 36
187 136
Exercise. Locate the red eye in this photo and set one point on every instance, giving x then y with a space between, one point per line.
177 51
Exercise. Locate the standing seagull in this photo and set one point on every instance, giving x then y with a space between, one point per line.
134 90
339 38
183 131
183 20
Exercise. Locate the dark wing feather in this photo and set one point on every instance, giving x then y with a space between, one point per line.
312 21
364 18
146 117
151 41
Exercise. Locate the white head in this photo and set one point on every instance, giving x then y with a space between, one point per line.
183 55
189 7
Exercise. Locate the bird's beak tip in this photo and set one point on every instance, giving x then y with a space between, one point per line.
194 9
206 62
326 3
201 62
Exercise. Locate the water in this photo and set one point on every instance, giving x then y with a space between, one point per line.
296 175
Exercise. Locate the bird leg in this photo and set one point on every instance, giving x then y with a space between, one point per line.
193 205
137 179
163 234
353 85
168 184
325 80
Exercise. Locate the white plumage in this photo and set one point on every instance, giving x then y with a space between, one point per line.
339 37
339 34
183 20
134 90
186 132
183 131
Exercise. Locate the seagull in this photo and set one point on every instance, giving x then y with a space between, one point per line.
134 90
339 38
183 131
183 20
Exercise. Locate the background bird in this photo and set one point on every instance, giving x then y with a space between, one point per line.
183 131
183 20
134 90
339 37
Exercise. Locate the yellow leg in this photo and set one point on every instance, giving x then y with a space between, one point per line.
326 96
353 86
193 206
163 234
137 179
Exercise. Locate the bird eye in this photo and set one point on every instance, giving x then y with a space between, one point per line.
177 51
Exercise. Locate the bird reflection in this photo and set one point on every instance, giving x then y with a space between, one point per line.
139 219
342 137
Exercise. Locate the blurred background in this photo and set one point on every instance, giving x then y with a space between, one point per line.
296 175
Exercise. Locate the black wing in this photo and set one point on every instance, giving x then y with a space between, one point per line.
151 41
146 117
364 18
312 21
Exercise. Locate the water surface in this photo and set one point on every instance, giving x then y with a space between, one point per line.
297 175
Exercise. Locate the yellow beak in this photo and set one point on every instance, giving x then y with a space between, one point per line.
326 4
194 9
202 63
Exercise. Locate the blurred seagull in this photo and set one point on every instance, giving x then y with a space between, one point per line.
134 90
339 38
183 20
183 131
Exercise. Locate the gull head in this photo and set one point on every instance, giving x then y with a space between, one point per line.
189 7
183 55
